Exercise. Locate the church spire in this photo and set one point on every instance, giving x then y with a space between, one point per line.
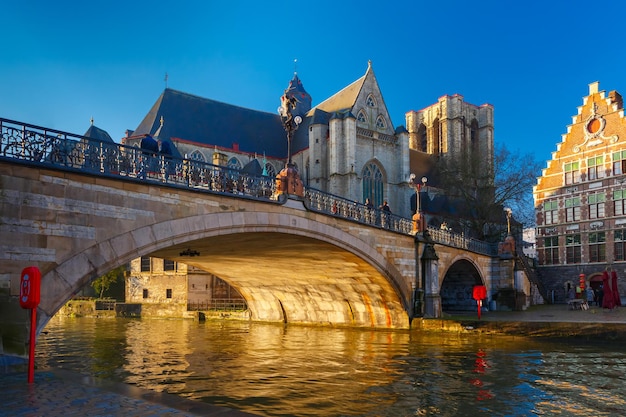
296 90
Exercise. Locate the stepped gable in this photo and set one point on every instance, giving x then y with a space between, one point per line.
598 127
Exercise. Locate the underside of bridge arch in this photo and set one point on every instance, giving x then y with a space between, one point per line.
457 287
297 279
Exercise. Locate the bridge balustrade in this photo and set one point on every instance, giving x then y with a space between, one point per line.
36 145
56 149
332 205
456 240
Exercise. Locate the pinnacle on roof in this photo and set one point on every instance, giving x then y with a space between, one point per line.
303 99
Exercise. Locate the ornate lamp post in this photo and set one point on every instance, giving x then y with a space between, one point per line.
509 241
508 213
289 181
419 223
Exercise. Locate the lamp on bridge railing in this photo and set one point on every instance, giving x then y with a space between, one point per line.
419 223
288 179
509 213
509 241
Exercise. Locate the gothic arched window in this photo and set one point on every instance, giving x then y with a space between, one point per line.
436 140
370 101
197 156
422 136
361 117
380 122
373 184
234 163
474 137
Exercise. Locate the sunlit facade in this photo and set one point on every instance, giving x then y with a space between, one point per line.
580 198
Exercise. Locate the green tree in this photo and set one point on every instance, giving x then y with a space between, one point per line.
482 193
103 283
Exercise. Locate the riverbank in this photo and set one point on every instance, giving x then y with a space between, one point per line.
548 321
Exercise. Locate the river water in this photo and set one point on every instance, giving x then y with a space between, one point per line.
276 370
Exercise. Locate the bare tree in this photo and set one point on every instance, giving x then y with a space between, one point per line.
479 193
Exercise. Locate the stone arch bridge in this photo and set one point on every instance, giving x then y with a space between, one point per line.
315 260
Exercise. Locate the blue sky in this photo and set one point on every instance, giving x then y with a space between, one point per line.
64 62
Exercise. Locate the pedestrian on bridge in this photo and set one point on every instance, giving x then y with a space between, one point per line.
385 212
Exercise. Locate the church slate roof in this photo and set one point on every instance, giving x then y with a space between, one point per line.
96 133
344 99
195 119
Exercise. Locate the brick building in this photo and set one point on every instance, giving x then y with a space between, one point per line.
580 198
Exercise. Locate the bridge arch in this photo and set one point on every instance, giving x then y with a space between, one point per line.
277 261
457 285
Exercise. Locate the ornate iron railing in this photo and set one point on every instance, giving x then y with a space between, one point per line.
36 145
336 206
32 144
445 237
219 304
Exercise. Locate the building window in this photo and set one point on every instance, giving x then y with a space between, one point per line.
197 156
597 247
169 265
551 250
475 146
361 117
373 184
423 138
572 173
551 214
234 163
619 196
436 140
594 168
145 293
380 122
145 264
168 293
619 237
572 209
619 163
596 205
572 249
371 101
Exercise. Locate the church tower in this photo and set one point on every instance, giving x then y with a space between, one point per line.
452 128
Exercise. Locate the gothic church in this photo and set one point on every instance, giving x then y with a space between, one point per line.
346 145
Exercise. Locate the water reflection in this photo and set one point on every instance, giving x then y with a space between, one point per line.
273 370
